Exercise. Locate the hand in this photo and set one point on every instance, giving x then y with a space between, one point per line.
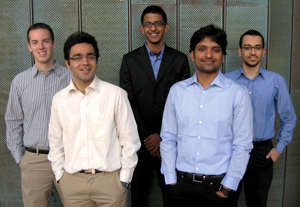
273 154
219 193
152 143
156 154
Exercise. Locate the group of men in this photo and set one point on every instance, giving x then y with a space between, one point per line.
94 140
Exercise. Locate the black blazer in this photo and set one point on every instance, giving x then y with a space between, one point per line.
147 96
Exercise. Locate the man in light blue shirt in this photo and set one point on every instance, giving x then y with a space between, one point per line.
207 128
269 93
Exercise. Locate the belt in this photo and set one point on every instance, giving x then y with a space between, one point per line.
37 150
92 171
260 143
199 178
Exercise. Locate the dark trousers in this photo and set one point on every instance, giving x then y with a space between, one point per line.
141 181
258 177
187 193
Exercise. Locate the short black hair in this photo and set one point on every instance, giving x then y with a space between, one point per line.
40 25
80 37
215 33
155 10
254 33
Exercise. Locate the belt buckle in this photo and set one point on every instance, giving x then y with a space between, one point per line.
91 171
199 181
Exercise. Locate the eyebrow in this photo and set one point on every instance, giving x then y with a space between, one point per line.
251 45
79 54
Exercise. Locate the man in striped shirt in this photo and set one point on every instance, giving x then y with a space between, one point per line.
28 113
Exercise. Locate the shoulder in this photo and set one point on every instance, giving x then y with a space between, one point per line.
23 77
174 52
232 74
136 52
110 88
272 75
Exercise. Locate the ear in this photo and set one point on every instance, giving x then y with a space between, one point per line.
54 44
192 55
263 52
67 63
167 26
29 48
223 58
142 29
240 52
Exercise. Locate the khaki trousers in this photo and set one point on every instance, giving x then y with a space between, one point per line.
37 180
101 189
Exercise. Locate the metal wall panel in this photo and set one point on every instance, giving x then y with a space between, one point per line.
52 13
193 16
292 180
14 58
242 16
108 21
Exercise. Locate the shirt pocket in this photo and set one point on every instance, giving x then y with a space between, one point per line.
102 126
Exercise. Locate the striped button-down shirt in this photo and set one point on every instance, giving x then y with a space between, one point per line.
29 106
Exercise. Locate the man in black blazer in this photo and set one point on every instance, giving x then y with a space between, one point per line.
147 74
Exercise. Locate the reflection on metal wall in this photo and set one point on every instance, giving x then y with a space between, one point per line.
111 22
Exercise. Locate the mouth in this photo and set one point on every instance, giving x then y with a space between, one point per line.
153 34
42 53
85 70
252 58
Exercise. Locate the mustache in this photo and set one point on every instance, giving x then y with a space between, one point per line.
85 68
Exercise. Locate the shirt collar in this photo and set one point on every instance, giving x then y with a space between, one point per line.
220 80
241 71
56 69
151 53
95 85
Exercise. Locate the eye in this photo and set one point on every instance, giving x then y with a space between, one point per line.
258 48
216 50
91 57
201 49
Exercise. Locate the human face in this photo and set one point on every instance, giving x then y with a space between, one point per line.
207 56
41 46
83 70
252 57
154 34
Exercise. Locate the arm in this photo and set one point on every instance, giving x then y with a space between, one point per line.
287 116
56 154
185 72
168 145
242 126
14 119
128 137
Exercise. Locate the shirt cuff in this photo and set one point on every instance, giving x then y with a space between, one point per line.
126 175
58 174
170 178
231 182
279 147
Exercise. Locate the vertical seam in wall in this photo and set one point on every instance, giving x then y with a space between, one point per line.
80 15
268 34
224 11
129 27
290 86
177 25
31 23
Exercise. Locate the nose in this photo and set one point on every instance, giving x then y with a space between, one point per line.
40 45
208 53
252 51
85 60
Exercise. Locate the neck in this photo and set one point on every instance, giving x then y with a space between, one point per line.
82 85
155 48
206 78
45 67
251 72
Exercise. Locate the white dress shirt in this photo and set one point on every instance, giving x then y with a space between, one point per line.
95 130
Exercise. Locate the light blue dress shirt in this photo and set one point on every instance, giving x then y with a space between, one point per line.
269 93
155 61
207 131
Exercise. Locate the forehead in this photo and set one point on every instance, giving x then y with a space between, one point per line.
207 42
39 34
151 17
252 40
82 49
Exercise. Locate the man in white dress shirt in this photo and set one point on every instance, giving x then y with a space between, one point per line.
92 133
